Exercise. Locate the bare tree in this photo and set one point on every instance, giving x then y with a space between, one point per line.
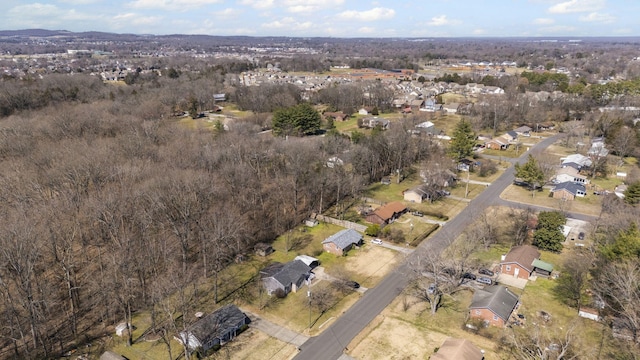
536 343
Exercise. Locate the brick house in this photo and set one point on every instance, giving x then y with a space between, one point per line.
522 261
493 304
568 191
387 213
342 241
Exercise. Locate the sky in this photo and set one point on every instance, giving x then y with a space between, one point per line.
330 18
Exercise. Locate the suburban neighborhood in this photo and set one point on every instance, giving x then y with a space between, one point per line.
195 197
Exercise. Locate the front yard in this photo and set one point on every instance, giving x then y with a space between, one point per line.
590 204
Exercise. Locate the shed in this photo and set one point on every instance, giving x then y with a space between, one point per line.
263 249
110 355
308 260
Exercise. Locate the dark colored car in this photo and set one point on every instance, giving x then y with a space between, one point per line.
417 213
581 236
468 276
352 284
486 272
484 280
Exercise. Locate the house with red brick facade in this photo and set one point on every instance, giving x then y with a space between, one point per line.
387 213
493 304
342 241
522 261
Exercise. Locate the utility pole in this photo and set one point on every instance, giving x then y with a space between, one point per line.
466 191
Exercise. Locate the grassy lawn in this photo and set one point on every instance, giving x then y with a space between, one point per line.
589 204
347 126
449 98
509 153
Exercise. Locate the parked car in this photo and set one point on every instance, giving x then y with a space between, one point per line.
376 241
352 284
581 236
486 272
468 276
484 280
417 213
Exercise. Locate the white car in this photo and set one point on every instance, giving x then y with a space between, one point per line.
377 241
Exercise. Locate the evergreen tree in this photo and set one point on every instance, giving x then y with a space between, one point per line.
549 235
530 172
632 194
625 246
463 141
301 119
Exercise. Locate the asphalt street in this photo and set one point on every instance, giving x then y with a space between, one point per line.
334 341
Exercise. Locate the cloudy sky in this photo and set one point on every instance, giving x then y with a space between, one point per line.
336 18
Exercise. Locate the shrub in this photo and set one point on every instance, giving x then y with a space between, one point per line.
280 293
373 230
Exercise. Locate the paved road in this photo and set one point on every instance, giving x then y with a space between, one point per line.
332 342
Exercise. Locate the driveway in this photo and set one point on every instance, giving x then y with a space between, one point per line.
511 281
274 330
402 249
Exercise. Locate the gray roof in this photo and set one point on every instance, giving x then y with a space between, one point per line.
288 273
496 298
218 323
344 238
571 187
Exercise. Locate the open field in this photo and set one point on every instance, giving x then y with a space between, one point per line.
415 333
590 204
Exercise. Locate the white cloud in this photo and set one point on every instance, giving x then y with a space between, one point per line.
288 23
374 14
39 15
598 17
442 20
479 32
134 19
543 21
171 5
79 2
573 6
307 6
227 12
258 4
557 30
366 30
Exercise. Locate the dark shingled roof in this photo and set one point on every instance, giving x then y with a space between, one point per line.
496 298
217 324
571 187
288 273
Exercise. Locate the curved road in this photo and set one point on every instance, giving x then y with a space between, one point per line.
333 342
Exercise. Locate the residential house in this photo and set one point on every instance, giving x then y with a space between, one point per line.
416 104
365 110
387 213
419 194
493 304
523 131
263 249
288 277
219 97
215 329
522 261
598 148
545 126
430 105
499 143
457 349
570 174
451 108
511 136
568 191
581 160
342 241
425 125
372 122
337 116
